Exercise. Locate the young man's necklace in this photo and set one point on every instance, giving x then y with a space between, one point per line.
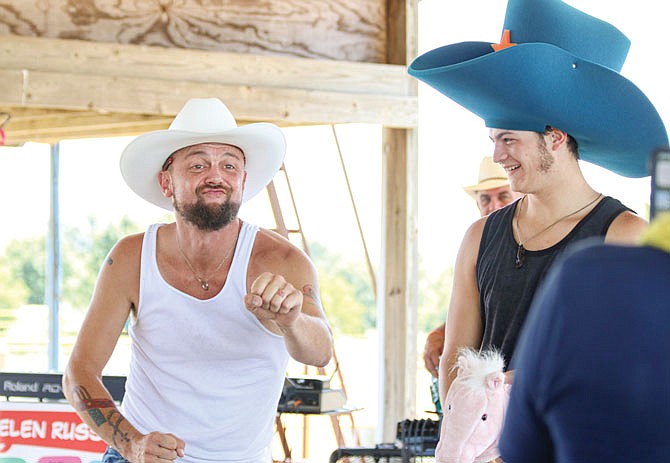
520 250
204 281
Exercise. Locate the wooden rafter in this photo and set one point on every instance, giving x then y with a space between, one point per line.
137 88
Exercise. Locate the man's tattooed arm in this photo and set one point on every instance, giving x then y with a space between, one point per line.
85 403
114 418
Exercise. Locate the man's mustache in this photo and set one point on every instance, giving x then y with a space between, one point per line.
208 187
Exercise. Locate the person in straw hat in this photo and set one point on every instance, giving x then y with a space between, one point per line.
491 192
216 305
550 93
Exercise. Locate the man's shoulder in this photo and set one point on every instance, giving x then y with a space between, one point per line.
274 253
626 228
271 244
136 240
267 236
129 244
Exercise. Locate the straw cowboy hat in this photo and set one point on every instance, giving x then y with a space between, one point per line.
202 120
491 175
554 66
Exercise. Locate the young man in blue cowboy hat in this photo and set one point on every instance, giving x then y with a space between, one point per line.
550 94
217 305
491 192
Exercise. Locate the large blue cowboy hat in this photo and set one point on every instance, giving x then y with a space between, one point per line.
556 66
203 120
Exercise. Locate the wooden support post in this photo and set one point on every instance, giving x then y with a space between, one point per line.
398 296
398 301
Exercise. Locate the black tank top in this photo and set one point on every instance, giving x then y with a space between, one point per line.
506 292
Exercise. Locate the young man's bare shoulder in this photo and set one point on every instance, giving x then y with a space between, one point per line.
475 230
626 228
469 247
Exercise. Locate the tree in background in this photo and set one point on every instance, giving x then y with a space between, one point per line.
13 292
346 292
84 254
434 296
25 263
23 276
345 313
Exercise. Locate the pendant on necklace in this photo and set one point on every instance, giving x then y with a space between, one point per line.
204 284
520 256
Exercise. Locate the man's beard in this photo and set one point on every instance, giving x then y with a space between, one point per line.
208 218
546 159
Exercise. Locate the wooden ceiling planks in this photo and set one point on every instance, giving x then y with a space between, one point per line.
343 30
85 59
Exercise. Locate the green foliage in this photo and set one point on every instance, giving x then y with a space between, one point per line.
346 291
25 262
23 279
84 254
434 296
345 313
13 291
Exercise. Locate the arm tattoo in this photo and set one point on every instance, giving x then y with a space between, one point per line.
84 402
309 292
116 425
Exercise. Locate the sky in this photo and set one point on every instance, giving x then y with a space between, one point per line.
451 143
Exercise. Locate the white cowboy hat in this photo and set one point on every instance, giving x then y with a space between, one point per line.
202 120
491 175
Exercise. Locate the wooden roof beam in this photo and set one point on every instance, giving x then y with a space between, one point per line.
133 79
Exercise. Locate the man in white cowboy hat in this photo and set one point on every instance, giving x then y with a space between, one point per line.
550 93
491 192
216 305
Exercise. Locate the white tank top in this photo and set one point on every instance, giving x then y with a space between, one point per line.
206 371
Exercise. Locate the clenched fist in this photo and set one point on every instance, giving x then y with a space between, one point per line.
273 298
157 447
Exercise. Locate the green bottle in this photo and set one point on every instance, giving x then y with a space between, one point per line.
435 394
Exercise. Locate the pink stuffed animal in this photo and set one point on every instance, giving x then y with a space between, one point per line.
473 410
